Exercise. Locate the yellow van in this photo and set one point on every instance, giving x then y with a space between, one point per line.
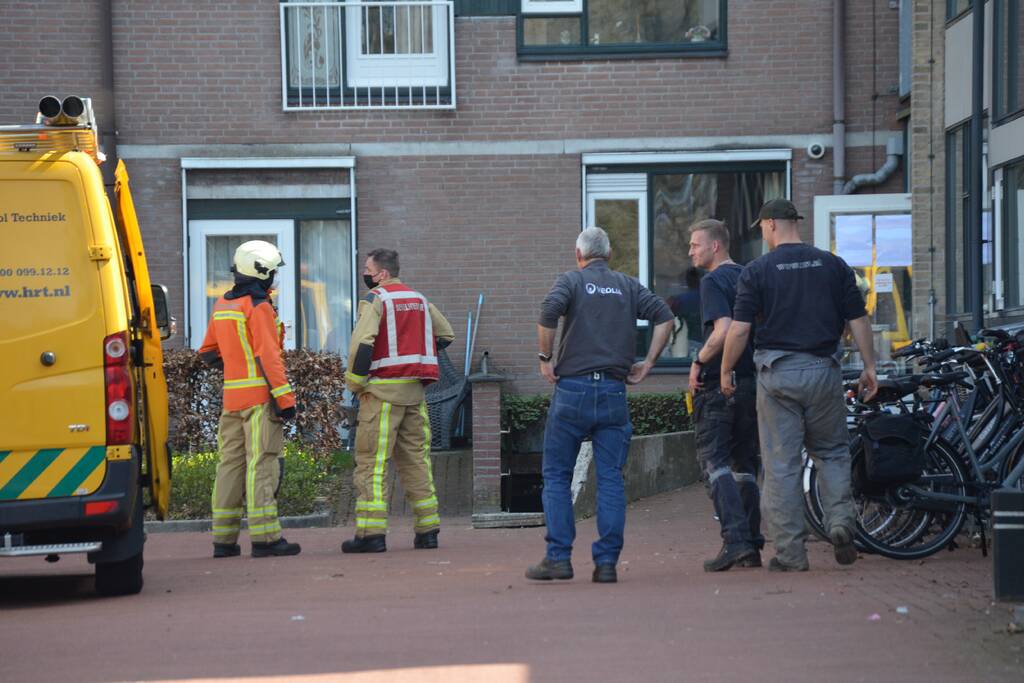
83 399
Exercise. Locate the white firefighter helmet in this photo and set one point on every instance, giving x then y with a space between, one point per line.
257 259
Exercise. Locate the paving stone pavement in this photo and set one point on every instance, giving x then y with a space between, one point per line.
465 613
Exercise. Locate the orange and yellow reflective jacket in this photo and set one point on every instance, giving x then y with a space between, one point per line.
248 340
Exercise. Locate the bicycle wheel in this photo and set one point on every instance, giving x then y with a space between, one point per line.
813 513
906 525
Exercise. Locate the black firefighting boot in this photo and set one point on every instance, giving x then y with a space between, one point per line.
365 544
426 541
226 550
280 547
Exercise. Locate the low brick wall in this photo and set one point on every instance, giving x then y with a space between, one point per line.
657 463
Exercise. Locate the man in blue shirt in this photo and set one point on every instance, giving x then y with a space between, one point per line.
802 299
726 428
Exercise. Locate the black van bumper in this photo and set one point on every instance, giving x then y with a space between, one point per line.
65 518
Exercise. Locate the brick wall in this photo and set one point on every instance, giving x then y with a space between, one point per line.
199 72
209 73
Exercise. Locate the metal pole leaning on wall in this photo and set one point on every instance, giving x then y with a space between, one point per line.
975 288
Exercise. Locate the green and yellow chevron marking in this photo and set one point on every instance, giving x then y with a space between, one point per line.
51 472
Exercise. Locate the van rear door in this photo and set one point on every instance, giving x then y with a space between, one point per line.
150 376
52 401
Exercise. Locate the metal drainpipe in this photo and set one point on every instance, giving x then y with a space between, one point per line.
893 152
973 251
838 97
107 116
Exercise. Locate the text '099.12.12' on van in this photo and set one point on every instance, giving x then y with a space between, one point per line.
83 432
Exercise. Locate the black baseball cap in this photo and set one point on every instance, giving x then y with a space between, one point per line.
777 208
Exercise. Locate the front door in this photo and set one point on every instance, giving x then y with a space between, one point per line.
212 245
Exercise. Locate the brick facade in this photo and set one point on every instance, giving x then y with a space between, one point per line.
208 75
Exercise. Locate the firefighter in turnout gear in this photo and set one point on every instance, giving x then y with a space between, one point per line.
392 356
245 338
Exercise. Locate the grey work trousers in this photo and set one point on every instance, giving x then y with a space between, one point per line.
800 403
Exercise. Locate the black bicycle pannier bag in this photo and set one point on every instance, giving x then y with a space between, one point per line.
893 451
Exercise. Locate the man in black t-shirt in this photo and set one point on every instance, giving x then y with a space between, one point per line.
802 298
726 428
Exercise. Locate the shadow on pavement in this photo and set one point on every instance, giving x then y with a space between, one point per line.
36 590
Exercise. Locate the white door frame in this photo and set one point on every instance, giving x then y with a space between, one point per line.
282 229
252 163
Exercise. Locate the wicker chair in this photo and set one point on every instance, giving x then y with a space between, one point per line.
444 398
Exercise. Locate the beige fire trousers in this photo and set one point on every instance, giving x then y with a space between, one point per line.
250 443
387 429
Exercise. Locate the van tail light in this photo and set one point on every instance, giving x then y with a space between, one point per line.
118 385
103 507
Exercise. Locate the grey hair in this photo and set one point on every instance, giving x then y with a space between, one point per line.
593 243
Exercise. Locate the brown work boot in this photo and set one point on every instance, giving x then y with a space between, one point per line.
728 558
776 566
842 545
546 569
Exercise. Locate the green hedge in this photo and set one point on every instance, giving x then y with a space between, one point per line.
306 478
650 413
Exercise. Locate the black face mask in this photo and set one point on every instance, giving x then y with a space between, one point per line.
368 281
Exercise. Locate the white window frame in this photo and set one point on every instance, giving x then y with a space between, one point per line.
396 70
627 181
253 163
284 232
552 7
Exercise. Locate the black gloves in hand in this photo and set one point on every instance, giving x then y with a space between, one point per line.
288 413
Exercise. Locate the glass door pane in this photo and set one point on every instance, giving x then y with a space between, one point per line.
878 246
620 218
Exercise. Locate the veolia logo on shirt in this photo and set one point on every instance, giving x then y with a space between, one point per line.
594 289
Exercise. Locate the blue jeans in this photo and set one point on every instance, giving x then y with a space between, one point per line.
580 407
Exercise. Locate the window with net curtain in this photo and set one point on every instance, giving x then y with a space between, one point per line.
325 285
678 200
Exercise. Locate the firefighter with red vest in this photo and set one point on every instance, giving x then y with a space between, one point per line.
392 356
246 339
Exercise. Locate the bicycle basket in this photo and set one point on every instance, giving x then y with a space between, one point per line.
893 452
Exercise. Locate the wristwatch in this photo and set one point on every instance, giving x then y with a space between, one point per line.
545 357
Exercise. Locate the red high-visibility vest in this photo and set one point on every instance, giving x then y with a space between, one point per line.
405 346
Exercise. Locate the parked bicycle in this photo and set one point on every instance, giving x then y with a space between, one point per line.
929 450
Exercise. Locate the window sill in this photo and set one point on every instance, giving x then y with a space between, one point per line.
583 54
1007 118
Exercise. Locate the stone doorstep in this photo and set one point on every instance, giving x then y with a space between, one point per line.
319 519
507 520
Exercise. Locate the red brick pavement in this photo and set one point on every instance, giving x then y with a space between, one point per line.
465 613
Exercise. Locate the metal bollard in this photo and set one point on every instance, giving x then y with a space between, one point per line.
1008 544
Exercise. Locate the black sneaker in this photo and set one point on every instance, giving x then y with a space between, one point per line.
843 547
605 573
226 550
727 558
547 569
426 541
278 548
775 566
365 544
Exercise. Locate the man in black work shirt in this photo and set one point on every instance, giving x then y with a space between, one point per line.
726 428
595 362
802 299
